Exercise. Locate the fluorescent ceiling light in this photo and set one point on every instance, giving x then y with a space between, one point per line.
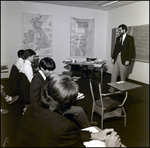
109 3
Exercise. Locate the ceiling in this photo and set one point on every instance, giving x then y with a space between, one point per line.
89 4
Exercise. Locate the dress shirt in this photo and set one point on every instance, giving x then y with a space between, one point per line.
42 74
27 70
19 63
123 38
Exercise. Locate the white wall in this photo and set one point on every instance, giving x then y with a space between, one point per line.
11 31
132 15
11 35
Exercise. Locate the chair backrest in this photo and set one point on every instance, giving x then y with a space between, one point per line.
95 88
88 67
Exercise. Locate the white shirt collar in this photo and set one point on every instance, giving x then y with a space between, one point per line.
41 72
123 36
27 61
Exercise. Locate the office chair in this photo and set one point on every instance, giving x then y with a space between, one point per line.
104 104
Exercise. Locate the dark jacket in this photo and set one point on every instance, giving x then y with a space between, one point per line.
40 127
13 85
127 49
35 87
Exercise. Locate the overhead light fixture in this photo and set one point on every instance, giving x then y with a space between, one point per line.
109 3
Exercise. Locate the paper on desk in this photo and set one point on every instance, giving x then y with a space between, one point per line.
120 82
93 143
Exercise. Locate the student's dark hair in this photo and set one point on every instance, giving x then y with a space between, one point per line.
59 94
47 63
20 53
29 53
123 26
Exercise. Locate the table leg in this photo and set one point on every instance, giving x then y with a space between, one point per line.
101 75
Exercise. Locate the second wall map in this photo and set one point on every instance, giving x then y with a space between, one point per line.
82 37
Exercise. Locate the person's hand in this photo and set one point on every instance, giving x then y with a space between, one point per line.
101 135
113 140
112 61
126 63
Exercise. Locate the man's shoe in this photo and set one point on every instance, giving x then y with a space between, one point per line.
12 99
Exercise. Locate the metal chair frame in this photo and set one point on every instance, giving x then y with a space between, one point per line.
106 112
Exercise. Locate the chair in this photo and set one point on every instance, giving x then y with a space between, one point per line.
87 70
105 105
75 69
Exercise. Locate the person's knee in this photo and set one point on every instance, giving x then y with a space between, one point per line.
79 108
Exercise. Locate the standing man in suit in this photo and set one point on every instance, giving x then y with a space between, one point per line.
122 55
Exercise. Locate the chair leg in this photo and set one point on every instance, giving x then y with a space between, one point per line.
92 116
124 116
102 119
101 123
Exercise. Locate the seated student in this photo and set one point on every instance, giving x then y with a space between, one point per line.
43 123
46 67
27 68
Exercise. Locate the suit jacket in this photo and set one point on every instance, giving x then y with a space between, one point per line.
13 85
127 49
40 127
24 89
35 87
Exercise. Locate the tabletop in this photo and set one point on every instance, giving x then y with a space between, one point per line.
124 85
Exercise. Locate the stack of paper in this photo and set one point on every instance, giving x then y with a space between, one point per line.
93 143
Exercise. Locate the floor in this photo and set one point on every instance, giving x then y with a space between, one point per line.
135 134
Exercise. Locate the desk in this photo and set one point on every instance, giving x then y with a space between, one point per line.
100 65
124 86
93 143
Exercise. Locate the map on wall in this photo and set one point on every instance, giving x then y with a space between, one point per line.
82 37
37 33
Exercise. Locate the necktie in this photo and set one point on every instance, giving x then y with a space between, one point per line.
120 44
